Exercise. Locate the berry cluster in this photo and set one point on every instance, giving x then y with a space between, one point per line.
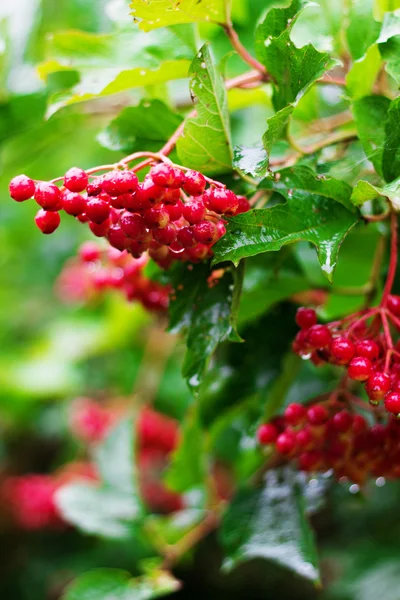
97 270
172 214
325 436
29 499
363 344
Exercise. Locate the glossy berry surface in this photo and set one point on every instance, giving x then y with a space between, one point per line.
47 221
342 350
48 196
306 317
318 336
21 188
267 434
75 180
360 368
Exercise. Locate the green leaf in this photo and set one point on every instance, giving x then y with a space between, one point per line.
389 43
361 77
365 191
205 144
305 179
115 584
383 6
391 150
114 458
112 508
143 127
203 314
188 467
98 511
320 221
160 13
292 69
370 115
276 125
362 30
112 63
266 283
251 161
270 523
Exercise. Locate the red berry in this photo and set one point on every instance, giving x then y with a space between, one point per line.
98 209
156 217
116 237
221 200
171 196
243 206
21 188
342 421
166 235
294 413
360 368
167 176
194 183
186 238
286 442
317 415
306 317
47 221
378 385
73 203
132 225
175 211
48 196
318 336
89 252
75 180
359 424
308 461
392 402
393 305
367 348
198 252
148 193
342 350
194 211
305 438
94 187
267 434
205 232
100 229
115 183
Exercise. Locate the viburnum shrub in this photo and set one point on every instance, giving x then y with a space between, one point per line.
253 212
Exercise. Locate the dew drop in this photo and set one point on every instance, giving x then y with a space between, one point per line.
380 481
354 488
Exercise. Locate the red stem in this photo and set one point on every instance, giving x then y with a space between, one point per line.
241 50
393 259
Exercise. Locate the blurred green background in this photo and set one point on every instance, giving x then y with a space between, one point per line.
51 352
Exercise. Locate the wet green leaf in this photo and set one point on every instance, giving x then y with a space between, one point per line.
270 523
391 149
251 161
205 144
362 75
370 115
362 30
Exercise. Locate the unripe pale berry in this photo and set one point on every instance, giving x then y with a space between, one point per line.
21 188
75 180
47 221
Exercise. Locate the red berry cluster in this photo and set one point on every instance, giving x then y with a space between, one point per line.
363 344
90 421
97 270
325 436
172 214
30 499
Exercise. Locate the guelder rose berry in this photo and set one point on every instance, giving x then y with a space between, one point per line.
75 180
47 221
306 317
21 188
48 196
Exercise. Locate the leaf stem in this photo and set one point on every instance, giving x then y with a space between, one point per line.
243 53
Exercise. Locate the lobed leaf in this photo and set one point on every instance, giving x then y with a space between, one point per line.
205 144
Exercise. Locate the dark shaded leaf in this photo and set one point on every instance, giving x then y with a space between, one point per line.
270 523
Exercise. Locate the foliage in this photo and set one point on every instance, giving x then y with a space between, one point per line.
294 107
